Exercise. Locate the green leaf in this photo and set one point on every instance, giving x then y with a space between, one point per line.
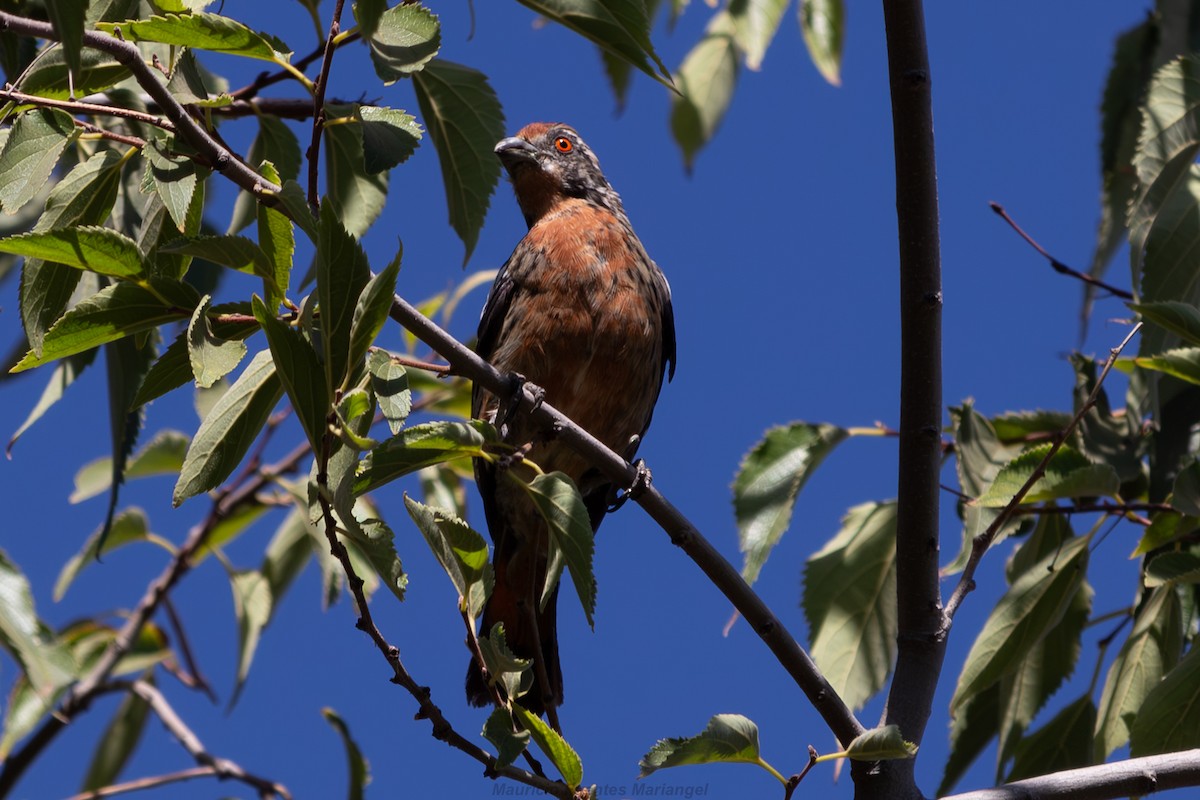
212 357
618 69
1169 719
1016 426
461 551
203 31
117 743
371 312
1031 607
114 312
1165 527
1168 271
1065 742
1153 647
971 730
67 17
229 428
1163 160
64 375
131 525
619 26
294 201
30 154
389 135
1068 474
558 500
768 482
274 143
26 638
881 744
252 607
50 77
728 738
357 196
368 13
377 542
162 455
407 37
175 177
127 361
277 239
1186 493
235 252
85 247
1183 363
1181 319
1102 436
174 369
509 743
299 370
1172 568
823 25
342 274
849 601
389 381
422 446
564 758
755 23
464 120
359 768
705 81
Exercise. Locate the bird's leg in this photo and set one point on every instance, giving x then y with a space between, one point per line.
521 392
641 479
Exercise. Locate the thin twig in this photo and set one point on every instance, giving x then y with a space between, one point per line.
1057 265
318 106
463 361
983 541
185 648
151 782
266 79
95 109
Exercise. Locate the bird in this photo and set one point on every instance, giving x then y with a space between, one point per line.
580 310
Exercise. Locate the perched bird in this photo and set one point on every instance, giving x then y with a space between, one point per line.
581 311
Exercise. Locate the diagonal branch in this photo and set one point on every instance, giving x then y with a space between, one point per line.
152 782
983 541
318 108
793 658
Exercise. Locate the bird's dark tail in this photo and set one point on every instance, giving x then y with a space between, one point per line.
524 637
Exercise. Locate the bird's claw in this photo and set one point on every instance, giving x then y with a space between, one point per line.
641 482
521 392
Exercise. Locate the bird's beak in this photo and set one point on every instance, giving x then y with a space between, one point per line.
515 151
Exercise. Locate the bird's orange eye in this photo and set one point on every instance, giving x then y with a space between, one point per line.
563 145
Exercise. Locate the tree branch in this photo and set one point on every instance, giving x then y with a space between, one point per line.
1130 778
725 577
151 782
921 639
983 541
318 106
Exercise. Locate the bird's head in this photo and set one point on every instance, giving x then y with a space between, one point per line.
550 163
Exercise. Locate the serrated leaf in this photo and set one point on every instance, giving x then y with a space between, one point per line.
1102 436
849 601
389 135
422 446
619 26
376 541
26 638
116 311
230 428
162 455
175 177
118 741
1168 271
1068 474
705 81
235 252
1165 527
618 69
274 143
755 23
252 607
823 25
131 525
464 120
277 239
1172 568
1031 607
768 482
1169 719
971 730
358 767
371 312
499 731
294 201
1065 742
389 382
727 738
1181 319
559 502
368 13
299 370
461 551
173 368
357 196
561 754
1150 651
49 76
202 31
30 154
881 744
67 17
211 357
406 38
342 274
1186 493
86 247
1182 363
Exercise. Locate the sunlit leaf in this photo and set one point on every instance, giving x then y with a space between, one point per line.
85 247
1068 474
727 738
406 38
389 136
127 527
356 195
299 370
212 357
509 743
30 154
389 381
1181 319
202 31
881 744
1169 718
705 81
24 636
550 742
823 24
422 446
359 768
558 501
252 607
461 551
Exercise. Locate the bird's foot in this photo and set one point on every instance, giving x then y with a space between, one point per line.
641 482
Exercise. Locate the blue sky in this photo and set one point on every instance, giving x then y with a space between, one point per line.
780 248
